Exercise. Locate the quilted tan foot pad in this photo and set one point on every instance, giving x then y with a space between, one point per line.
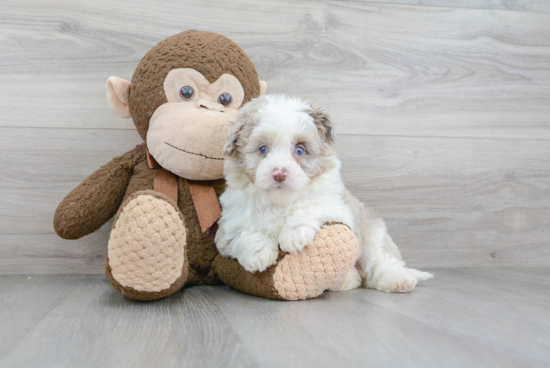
319 266
146 252
297 276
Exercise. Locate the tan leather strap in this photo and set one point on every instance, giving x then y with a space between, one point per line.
202 192
151 162
167 184
206 203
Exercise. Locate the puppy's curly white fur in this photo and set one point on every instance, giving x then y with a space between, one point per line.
283 183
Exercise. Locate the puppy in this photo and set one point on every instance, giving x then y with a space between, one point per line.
283 183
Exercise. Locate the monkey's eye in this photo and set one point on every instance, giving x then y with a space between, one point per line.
187 92
299 150
224 99
263 150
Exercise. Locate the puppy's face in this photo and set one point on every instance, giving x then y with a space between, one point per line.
279 144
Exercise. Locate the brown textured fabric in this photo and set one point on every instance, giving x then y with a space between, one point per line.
91 204
201 249
235 276
304 275
206 203
209 53
141 180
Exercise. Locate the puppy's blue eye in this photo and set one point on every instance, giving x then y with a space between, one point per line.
263 150
299 150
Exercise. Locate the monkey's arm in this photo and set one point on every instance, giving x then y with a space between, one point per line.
91 204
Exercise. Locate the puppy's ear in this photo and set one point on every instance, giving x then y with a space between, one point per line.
323 123
232 138
244 118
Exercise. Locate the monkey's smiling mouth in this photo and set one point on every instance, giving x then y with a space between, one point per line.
193 153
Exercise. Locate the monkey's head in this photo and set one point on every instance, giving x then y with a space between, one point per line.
182 98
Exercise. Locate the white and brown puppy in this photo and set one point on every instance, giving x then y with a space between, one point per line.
283 183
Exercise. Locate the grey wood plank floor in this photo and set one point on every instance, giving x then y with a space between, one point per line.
462 318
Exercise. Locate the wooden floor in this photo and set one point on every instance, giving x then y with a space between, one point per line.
461 318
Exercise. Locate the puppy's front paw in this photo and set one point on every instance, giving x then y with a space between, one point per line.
258 259
293 240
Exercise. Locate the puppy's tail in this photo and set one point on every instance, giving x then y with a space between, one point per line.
421 275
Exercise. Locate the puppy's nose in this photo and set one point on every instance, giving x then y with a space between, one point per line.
279 175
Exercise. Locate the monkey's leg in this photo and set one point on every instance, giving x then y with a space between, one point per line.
304 275
146 257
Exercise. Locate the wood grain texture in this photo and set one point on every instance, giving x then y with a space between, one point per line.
25 301
89 328
466 202
447 202
399 70
443 114
461 318
537 6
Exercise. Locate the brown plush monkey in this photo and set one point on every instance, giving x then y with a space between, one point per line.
182 97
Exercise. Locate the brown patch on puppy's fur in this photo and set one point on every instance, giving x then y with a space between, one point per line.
319 159
243 163
238 138
246 118
323 123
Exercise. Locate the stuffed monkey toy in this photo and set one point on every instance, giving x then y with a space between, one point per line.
164 193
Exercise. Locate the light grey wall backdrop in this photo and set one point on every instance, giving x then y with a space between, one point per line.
442 113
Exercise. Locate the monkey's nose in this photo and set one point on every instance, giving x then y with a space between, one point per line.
279 175
204 104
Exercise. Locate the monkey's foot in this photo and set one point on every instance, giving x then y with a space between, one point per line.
304 275
146 253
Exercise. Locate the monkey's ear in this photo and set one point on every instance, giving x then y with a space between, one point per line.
323 123
263 87
118 95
